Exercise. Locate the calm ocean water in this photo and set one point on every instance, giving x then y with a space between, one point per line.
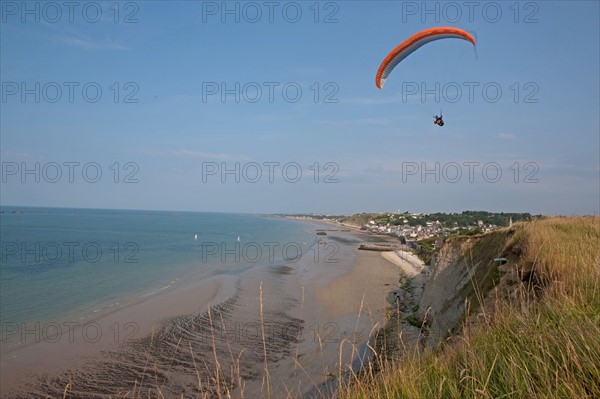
57 262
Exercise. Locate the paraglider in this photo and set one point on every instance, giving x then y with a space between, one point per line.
419 39
407 47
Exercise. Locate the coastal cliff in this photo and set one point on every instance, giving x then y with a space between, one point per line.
462 274
512 313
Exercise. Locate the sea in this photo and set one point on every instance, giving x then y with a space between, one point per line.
77 264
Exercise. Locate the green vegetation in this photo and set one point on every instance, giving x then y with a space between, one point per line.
414 321
470 218
463 220
426 249
359 219
539 336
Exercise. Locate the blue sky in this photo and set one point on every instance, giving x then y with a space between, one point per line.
542 132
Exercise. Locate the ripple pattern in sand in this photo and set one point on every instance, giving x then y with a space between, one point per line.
200 355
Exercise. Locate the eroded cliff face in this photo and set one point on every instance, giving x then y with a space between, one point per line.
463 274
440 305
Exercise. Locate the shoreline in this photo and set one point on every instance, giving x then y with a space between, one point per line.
75 343
311 308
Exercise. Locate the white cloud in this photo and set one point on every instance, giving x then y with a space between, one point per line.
372 101
374 121
506 136
187 153
89 43
309 70
11 155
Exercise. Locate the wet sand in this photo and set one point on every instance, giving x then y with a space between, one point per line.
71 344
291 327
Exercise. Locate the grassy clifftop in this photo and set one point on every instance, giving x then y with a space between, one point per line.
526 329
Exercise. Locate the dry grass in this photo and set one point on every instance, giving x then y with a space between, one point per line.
546 347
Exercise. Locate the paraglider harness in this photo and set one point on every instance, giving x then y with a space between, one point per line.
438 120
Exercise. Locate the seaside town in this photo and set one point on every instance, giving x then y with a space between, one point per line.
413 227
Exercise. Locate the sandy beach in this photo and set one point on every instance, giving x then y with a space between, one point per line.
293 327
410 264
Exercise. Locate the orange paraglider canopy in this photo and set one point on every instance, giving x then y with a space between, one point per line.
414 42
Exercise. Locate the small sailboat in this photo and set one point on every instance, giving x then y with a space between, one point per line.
195 237
238 239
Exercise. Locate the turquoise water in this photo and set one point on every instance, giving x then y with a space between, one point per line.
55 262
